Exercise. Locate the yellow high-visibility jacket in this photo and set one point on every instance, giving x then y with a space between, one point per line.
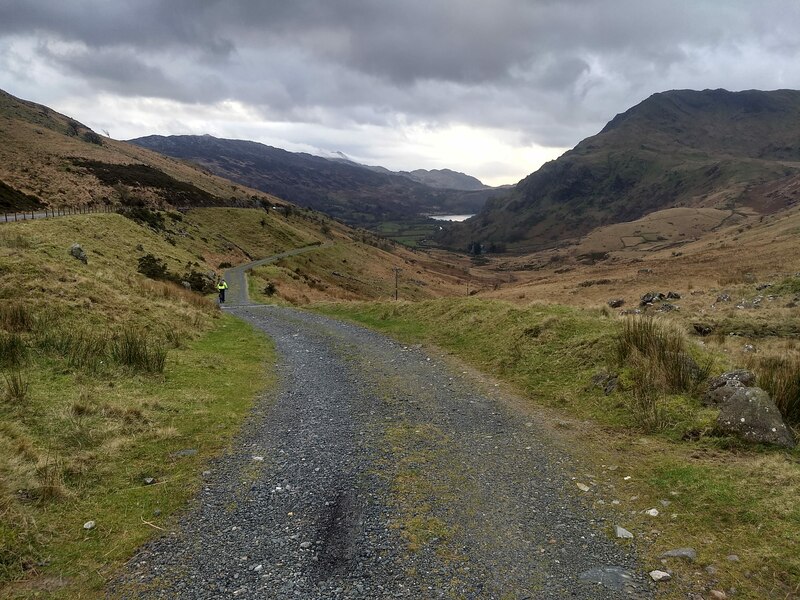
222 285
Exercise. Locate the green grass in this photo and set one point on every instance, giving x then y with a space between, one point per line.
550 353
101 437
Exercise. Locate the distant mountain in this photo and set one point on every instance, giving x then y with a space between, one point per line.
682 148
446 179
350 192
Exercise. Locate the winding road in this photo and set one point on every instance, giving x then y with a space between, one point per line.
378 470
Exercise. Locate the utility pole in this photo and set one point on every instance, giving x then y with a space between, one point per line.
396 279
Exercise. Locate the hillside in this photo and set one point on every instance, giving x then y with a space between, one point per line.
342 189
49 159
697 149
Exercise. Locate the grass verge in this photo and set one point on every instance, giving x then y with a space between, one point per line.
83 445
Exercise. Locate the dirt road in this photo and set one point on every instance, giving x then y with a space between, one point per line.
377 471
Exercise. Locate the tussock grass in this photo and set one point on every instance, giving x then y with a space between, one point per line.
16 387
138 351
664 346
780 377
13 350
168 290
15 317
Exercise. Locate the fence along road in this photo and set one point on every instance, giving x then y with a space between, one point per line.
236 277
49 213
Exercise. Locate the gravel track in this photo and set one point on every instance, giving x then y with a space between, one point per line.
386 473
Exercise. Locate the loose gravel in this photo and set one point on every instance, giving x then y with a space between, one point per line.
377 470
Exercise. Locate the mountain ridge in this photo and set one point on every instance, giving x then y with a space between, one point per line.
353 193
705 149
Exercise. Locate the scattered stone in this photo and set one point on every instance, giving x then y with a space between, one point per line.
607 381
184 452
258 458
673 296
616 303
763 286
749 348
645 271
732 558
724 298
660 575
157 512
77 252
306 545
653 512
622 533
711 570
614 578
688 554
89 525
651 297
667 307
751 415
149 480
583 487
718 594
702 329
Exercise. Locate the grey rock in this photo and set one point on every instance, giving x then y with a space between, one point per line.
684 553
732 558
149 480
616 302
658 575
724 298
741 377
702 329
651 297
673 296
77 252
721 388
667 307
185 452
622 533
608 382
89 525
751 415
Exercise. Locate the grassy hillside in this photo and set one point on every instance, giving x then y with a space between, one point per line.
634 452
50 159
709 149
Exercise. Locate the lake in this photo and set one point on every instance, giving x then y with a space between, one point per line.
450 217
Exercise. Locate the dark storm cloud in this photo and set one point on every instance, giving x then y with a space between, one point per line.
553 70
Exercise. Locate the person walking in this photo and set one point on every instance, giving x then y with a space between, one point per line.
221 287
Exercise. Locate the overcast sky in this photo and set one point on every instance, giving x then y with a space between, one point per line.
491 88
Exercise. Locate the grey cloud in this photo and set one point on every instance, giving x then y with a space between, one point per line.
553 70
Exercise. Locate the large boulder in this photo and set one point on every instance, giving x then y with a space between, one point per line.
751 415
77 252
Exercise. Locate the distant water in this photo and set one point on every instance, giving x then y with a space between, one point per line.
450 217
